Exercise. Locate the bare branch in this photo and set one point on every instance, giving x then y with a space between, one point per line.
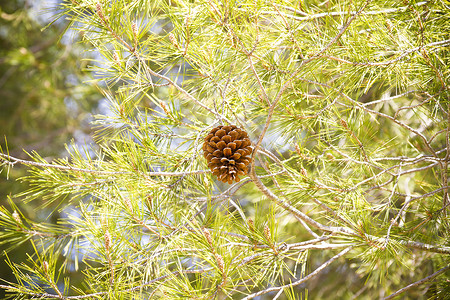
295 211
419 282
309 276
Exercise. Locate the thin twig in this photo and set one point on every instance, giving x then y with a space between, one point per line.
311 275
426 247
13 160
419 282
389 62
339 13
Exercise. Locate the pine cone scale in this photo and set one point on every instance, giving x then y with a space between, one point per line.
236 156
226 138
220 145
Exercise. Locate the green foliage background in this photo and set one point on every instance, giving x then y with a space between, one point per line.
43 103
347 105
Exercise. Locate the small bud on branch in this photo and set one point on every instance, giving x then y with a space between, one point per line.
45 266
107 238
174 41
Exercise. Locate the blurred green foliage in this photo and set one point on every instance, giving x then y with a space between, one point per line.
43 104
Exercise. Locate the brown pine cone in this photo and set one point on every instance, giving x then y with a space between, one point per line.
227 150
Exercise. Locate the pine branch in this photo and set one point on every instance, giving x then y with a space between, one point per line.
12 161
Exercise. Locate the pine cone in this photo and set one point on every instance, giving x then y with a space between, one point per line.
227 150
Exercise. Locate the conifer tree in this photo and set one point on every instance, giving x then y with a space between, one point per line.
345 105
